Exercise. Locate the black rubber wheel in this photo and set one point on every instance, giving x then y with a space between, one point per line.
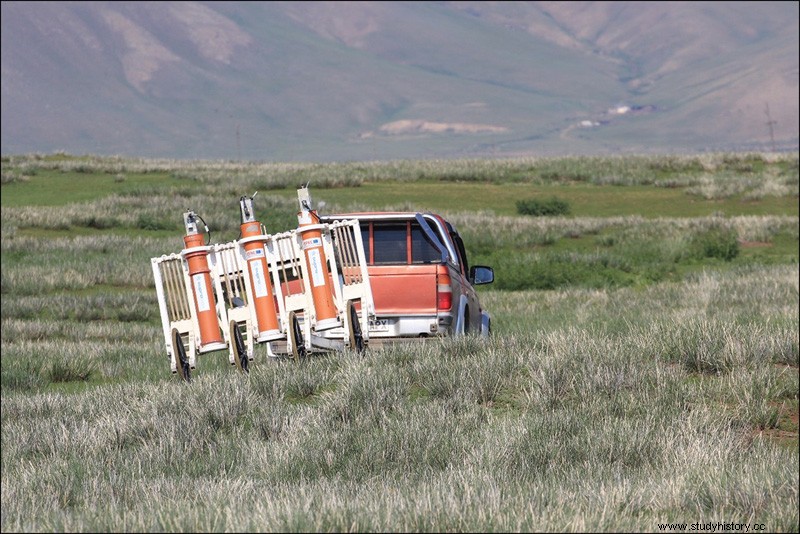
180 357
296 333
239 350
354 327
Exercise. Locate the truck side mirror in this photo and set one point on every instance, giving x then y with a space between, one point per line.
480 274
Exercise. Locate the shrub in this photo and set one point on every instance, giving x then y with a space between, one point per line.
10 177
99 222
715 243
71 369
539 208
149 222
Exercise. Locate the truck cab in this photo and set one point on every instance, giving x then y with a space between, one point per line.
422 283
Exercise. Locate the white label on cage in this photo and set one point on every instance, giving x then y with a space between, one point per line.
257 253
313 242
259 282
317 278
200 293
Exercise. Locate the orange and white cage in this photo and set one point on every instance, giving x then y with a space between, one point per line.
316 283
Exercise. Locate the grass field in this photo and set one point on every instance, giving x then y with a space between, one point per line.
643 368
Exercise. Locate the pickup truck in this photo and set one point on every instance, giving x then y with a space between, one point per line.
422 284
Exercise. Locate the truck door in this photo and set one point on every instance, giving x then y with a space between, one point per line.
473 321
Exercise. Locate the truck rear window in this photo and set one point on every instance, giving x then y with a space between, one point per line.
397 243
389 243
422 250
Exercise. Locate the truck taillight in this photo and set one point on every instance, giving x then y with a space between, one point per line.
444 291
444 296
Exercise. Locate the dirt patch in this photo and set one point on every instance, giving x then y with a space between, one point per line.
786 430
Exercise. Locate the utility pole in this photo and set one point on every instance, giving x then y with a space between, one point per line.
770 124
238 145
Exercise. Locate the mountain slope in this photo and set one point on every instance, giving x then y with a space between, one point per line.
377 80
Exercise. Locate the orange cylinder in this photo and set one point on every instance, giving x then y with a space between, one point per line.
320 280
204 302
263 296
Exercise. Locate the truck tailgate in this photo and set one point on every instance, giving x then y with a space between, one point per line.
403 289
